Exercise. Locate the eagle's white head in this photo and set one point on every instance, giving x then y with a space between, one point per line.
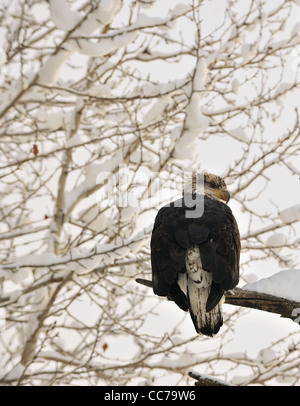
208 184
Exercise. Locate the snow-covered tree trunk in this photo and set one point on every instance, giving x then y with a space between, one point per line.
104 106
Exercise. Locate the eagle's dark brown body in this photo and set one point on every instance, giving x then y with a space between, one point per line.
176 240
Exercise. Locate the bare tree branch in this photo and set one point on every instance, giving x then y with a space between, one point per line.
206 380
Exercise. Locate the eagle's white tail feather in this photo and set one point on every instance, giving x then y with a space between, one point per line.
207 323
196 285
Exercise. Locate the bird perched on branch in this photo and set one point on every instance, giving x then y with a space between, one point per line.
195 250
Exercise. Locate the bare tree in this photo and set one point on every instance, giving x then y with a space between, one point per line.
104 105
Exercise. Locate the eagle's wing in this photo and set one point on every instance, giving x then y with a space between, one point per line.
217 236
168 255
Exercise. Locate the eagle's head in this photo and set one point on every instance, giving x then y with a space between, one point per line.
209 184
215 186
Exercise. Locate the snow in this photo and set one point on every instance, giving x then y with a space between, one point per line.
196 122
99 90
10 94
156 110
148 89
32 324
107 10
180 9
129 212
122 40
235 86
195 118
94 49
228 47
267 355
239 134
63 16
252 27
104 47
248 51
136 246
282 88
275 240
184 360
290 214
50 71
79 260
66 19
12 296
3 57
285 284
296 29
96 174
97 221
144 20
14 374
200 75
49 120
146 3
76 139
185 147
71 116
250 277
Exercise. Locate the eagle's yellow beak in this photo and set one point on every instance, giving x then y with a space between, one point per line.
222 194
225 196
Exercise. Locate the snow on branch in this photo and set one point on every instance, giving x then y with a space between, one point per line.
79 260
36 324
263 301
258 300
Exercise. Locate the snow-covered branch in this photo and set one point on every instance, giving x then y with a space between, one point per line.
258 299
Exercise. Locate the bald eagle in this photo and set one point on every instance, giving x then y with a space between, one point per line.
195 258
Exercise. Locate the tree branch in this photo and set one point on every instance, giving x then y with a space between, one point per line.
30 346
207 380
254 300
